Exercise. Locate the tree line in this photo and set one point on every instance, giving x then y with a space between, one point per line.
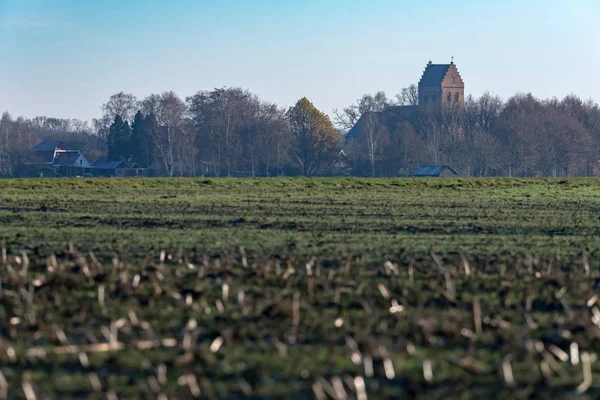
231 132
223 132
523 136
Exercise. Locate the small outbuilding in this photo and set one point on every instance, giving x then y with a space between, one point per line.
435 171
106 167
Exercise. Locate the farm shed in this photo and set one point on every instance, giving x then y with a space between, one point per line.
106 167
435 171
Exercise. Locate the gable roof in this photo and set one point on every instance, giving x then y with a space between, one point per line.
433 170
105 163
434 74
131 165
69 159
40 157
52 145
389 118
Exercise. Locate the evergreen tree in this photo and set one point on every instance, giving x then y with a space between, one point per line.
137 139
151 139
119 139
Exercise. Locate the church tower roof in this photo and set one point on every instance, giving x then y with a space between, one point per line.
434 74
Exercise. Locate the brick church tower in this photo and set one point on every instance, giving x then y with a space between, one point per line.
440 87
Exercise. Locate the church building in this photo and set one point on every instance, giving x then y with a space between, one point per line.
441 87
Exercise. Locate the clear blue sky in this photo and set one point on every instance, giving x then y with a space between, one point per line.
64 58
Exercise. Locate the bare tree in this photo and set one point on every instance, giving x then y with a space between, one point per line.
431 130
349 116
373 138
373 134
269 140
123 104
453 141
565 146
223 121
172 140
6 127
520 130
482 113
408 96
485 153
278 139
404 151
150 105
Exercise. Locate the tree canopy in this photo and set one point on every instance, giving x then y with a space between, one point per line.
313 134
119 139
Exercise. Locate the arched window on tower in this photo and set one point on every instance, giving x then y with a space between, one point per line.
433 98
449 97
426 97
456 97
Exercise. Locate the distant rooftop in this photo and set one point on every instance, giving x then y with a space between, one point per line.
105 163
53 145
389 117
433 170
